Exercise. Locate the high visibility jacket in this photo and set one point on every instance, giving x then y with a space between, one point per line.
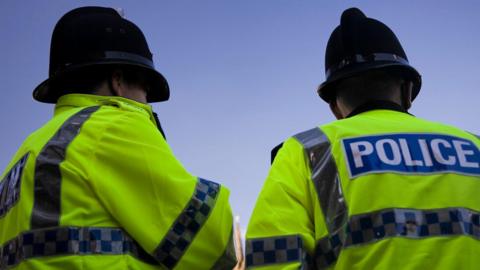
98 187
379 190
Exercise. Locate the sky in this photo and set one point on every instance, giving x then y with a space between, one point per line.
243 74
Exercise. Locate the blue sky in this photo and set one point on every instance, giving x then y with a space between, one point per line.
243 74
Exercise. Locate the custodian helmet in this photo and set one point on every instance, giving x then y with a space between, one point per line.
361 44
89 37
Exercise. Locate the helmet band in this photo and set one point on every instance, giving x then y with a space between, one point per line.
358 59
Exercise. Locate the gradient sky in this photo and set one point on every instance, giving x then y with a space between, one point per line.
243 73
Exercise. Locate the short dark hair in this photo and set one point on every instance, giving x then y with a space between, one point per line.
369 86
89 79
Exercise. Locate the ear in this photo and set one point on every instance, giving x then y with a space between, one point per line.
334 108
407 88
116 83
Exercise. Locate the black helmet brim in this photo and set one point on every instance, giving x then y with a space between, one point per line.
159 89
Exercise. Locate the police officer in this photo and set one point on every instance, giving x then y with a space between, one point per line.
98 187
377 189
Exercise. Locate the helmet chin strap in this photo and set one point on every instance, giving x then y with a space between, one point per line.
159 126
406 95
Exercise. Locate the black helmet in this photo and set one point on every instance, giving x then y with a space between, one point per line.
88 37
360 44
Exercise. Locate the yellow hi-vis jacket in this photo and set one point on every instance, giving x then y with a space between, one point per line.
379 190
98 187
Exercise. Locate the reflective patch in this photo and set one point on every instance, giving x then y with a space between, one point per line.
46 207
324 175
70 241
407 223
10 186
274 250
411 154
187 224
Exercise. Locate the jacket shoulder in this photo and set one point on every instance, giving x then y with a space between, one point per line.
307 139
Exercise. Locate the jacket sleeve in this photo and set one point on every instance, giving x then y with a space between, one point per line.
281 233
183 221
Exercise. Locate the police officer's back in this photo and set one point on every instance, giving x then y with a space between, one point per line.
98 187
377 189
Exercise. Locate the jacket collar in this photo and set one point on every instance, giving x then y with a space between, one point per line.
85 100
377 105
71 101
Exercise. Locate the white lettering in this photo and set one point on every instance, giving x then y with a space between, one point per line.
437 153
462 153
380 147
357 153
406 154
425 153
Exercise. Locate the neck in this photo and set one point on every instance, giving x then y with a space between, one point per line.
377 105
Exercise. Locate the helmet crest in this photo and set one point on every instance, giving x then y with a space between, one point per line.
89 37
360 44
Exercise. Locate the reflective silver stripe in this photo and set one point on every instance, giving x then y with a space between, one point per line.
325 177
228 260
407 223
187 224
48 178
70 241
275 250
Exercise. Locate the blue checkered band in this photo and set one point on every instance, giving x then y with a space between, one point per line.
328 249
387 223
10 186
274 250
69 241
188 224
